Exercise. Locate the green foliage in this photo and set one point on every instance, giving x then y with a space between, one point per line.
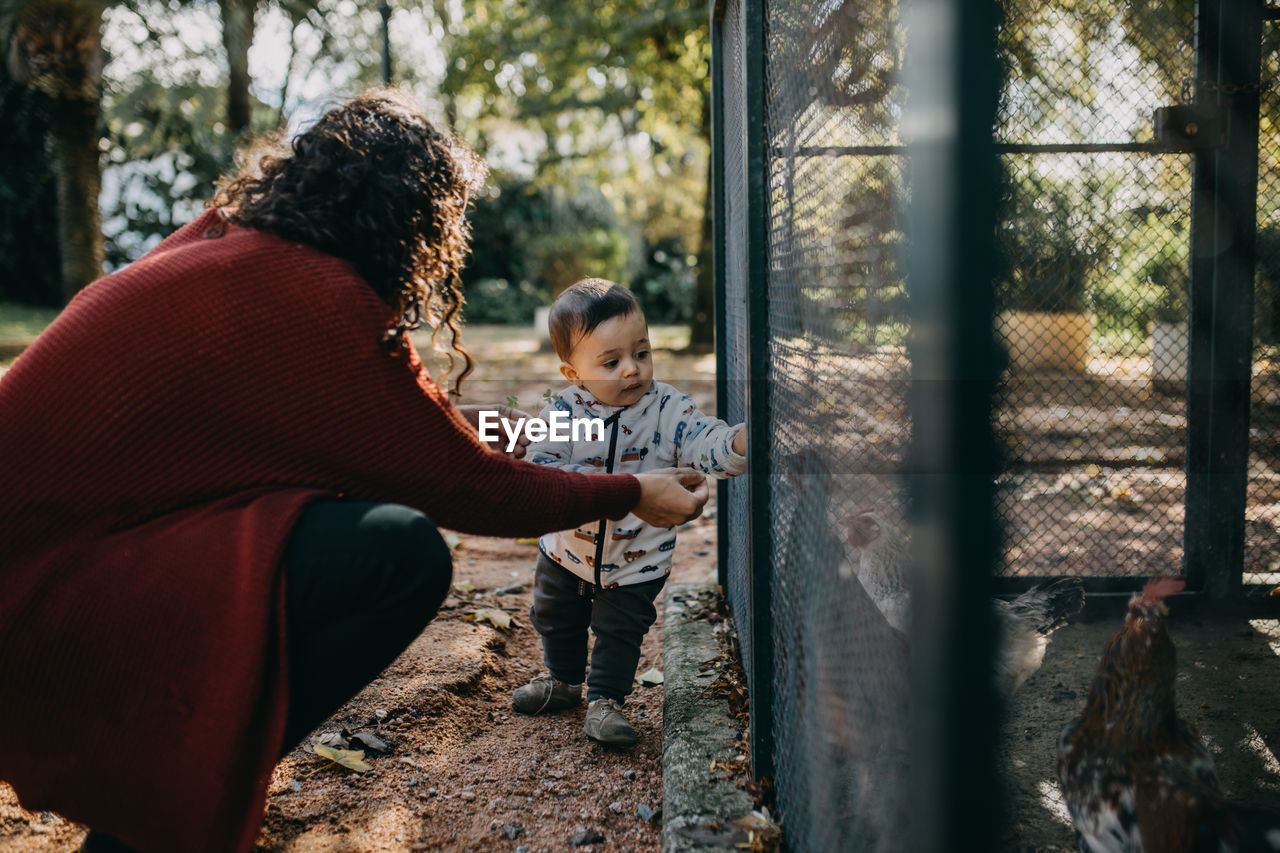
531 241
563 257
611 95
665 286
1058 238
166 147
496 300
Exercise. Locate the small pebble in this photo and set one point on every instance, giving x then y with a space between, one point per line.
511 830
583 837
431 792
617 806
629 775
413 781
468 795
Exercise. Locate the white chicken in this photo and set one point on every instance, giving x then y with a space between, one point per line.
1025 622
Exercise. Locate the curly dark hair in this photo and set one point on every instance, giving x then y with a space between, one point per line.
374 183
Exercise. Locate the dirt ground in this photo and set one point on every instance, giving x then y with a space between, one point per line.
460 771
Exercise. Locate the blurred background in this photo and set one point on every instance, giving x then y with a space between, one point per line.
594 120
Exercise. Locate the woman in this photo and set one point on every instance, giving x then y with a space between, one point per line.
223 469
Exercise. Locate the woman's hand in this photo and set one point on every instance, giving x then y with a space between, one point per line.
506 413
671 496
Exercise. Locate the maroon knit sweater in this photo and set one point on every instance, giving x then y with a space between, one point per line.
157 443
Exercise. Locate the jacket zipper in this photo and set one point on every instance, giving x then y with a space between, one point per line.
608 469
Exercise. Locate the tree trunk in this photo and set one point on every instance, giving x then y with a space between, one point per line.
75 145
702 332
237 36
57 50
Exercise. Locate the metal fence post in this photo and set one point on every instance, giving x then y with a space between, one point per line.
1223 259
952 84
716 173
760 534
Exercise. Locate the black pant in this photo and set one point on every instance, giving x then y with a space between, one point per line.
361 582
565 606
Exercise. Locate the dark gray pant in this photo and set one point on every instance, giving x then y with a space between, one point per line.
565 606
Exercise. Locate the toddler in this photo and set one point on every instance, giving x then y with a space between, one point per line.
605 576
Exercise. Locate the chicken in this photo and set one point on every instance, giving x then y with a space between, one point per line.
1025 622
1135 776
844 672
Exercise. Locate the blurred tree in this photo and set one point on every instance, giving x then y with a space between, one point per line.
30 271
56 49
620 93
237 38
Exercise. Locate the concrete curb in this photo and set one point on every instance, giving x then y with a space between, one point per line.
696 728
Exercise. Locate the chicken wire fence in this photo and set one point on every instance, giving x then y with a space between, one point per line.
1137 406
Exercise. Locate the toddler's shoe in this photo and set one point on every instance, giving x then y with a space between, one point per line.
606 724
545 693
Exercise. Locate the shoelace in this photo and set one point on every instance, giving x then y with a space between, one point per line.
545 679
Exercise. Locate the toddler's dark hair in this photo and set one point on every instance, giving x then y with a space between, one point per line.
583 306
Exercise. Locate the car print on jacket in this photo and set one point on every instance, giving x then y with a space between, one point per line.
652 432
604 567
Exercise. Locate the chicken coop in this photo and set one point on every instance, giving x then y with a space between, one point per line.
999 296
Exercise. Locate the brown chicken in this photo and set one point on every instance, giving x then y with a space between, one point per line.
1135 776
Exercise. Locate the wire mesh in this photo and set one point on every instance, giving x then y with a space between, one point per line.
838 426
1092 307
1262 516
1094 229
734 349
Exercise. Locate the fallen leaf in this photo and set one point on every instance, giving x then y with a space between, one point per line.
333 739
527 540
352 759
464 587
496 618
369 740
452 539
649 677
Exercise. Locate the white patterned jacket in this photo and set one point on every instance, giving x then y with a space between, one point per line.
664 429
